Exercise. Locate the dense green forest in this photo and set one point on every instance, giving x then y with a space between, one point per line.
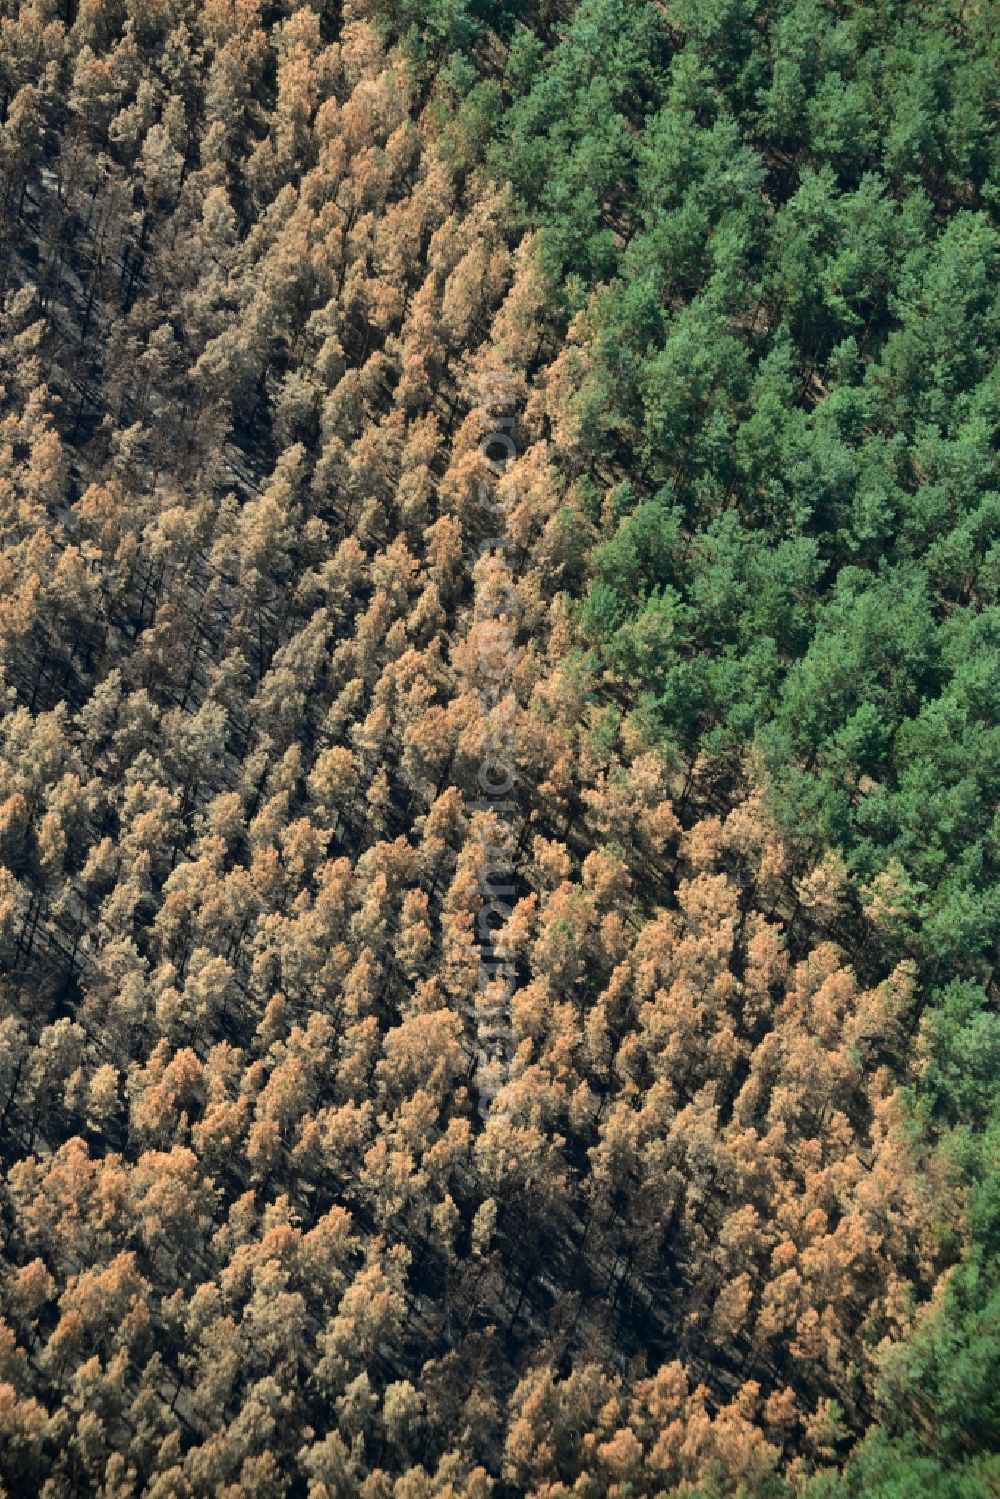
499 749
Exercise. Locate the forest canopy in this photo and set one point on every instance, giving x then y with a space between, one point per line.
499 743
